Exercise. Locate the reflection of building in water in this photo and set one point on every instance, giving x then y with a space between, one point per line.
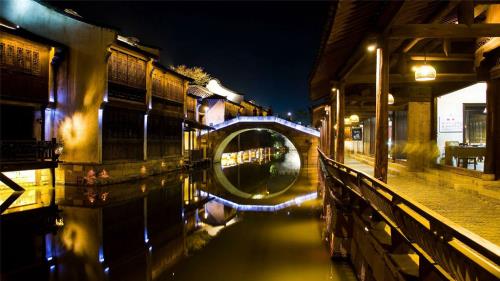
257 155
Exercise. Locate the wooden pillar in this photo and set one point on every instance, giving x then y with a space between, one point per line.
489 71
330 138
331 132
381 117
339 152
323 130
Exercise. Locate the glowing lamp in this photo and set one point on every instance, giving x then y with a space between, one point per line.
425 73
371 48
347 121
390 99
354 118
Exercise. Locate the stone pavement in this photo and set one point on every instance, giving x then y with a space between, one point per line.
475 212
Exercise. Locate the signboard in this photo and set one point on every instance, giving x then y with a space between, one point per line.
450 124
357 134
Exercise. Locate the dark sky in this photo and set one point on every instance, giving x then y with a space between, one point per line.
264 50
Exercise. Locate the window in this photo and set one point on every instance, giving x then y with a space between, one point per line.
474 123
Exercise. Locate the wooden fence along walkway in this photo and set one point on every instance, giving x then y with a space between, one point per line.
390 237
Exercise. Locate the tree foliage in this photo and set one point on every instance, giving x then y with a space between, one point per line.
197 73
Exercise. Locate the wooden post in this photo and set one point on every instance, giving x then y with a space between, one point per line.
381 122
331 132
489 70
339 153
491 165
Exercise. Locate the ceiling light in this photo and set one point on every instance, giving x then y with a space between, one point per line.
390 99
425 73
354 118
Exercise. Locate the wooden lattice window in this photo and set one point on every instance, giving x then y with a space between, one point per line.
2 52
9 58
28 60
122 67
157 87
127 69
36 63
20 56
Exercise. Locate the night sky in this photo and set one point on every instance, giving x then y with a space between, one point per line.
264 50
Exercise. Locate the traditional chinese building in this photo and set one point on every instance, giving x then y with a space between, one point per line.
117 111
417 78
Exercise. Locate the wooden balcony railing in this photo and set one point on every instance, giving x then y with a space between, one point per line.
453 252
17 151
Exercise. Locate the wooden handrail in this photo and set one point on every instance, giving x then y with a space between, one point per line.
477 244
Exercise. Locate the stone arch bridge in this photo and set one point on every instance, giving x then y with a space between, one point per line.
304 139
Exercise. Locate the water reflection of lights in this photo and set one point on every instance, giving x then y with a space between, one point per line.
257 155
263 208
59 222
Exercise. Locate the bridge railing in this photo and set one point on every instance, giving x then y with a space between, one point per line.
454 252
265 119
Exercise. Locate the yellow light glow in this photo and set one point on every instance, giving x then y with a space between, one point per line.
371 47
59 222
354 118
23 178
347 121
73 130
425 73
390 99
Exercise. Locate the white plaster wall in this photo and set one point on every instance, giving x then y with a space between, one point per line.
85 67
215 113
451 106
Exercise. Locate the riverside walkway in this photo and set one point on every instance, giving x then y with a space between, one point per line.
473 211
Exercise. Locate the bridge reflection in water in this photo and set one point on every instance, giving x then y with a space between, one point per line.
143 230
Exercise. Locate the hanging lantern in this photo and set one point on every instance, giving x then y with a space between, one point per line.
354 118
425 73
390 99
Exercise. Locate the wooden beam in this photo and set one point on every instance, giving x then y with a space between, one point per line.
441 57
465 12
381 114
401 79
370 109
443 13
10 183
404 31
360 54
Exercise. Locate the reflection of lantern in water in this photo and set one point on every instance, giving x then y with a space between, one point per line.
273 170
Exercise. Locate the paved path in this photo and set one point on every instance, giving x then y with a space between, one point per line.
266 246
479 214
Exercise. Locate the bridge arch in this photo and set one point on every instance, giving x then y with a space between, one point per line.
303 138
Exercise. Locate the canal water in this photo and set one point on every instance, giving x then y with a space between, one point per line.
257 219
